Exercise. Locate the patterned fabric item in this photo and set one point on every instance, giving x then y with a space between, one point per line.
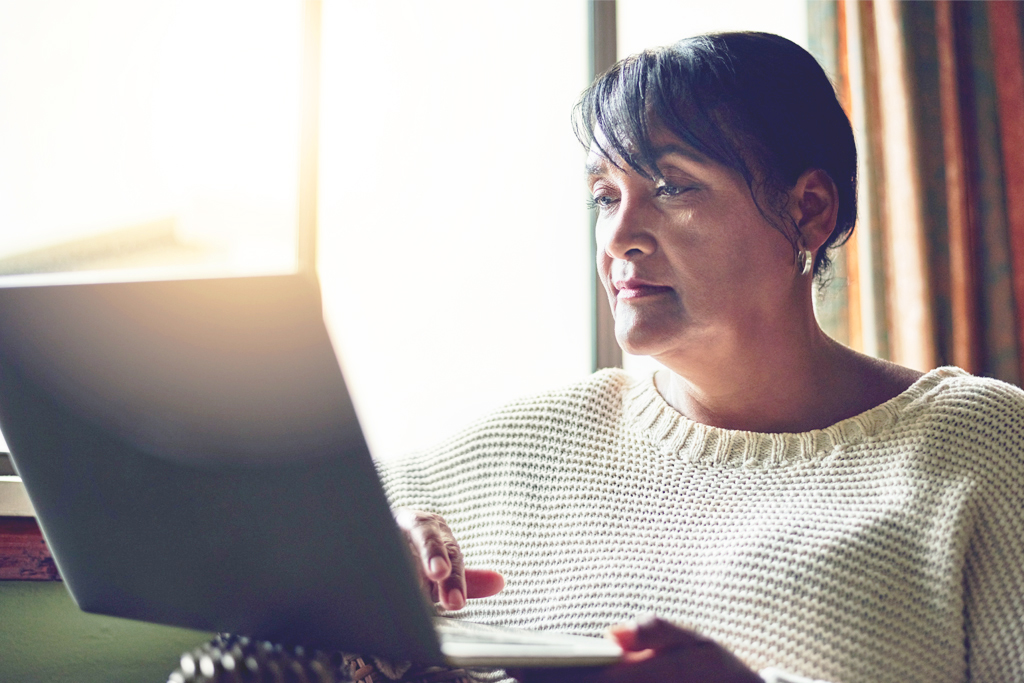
234 659
888 547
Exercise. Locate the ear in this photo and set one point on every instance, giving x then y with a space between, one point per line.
814 206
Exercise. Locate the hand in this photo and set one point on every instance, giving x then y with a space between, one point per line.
657 651
439 560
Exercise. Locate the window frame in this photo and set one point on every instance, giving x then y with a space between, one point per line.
23 551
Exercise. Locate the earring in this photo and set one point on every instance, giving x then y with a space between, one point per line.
805 261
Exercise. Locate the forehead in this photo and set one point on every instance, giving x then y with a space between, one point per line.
601 160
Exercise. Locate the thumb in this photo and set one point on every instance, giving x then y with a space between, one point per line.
652 633
483 583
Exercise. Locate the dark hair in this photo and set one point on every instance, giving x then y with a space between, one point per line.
754 102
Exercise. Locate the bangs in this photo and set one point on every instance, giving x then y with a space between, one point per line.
755 103
659 89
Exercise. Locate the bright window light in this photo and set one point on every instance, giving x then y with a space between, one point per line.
157 134
454 236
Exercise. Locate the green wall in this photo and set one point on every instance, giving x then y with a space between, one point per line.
45 637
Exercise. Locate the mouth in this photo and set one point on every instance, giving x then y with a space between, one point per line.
637 289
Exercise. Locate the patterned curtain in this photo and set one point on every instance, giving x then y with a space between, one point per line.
934 273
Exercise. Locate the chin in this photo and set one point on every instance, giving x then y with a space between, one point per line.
644 342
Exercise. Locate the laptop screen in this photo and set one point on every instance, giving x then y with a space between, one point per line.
194 459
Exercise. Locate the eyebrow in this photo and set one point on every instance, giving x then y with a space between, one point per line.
597 169
683 151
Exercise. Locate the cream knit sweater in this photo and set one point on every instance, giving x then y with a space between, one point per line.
887 547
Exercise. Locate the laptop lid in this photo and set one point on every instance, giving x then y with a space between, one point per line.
194 459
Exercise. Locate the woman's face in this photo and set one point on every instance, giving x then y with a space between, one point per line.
690 265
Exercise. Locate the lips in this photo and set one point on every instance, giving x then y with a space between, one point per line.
634 288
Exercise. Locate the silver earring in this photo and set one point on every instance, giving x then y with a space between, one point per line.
805 261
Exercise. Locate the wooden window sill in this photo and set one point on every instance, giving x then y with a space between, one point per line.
14 500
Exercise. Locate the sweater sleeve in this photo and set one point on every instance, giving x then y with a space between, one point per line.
994 563
460 473
478 468
410 482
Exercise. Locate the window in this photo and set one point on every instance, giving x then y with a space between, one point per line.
164 138
453 235
154 139
159 136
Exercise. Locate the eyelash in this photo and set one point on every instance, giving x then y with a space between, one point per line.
664 190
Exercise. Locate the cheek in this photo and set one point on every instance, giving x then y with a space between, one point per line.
604 267
604 264
771 256
748 249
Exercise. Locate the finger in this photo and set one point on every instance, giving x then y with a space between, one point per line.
453 588
705 661
652 633
430 537
483 583
433 550
658 634
624 635
429 587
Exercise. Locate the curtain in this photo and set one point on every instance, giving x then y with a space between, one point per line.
934 273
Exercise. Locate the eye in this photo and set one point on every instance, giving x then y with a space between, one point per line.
664 189
601 202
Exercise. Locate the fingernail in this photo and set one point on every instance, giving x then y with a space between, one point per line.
437 566
646 620
455 599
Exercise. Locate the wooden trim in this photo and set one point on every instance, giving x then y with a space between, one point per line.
862 64
309 137
852 248
603 54
843 57
878 202
14 500
1005 33
603 36
966 331
23 552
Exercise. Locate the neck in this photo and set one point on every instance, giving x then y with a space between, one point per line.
762 380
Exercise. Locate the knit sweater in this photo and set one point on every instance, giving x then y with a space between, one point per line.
887 547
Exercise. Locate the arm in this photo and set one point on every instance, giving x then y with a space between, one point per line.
656 651
994 584
659 651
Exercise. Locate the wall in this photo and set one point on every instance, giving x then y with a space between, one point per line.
45 637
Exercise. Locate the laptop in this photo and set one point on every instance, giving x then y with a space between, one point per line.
194 459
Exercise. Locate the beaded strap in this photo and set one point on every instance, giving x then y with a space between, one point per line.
237 659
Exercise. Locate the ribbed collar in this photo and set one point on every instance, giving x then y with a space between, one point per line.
677 436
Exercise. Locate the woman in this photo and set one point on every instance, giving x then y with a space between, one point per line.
777 499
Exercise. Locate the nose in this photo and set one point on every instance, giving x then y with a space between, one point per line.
625 234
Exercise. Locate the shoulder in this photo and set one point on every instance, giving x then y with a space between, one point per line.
548 416
525 427
598 393
977 422
950 390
